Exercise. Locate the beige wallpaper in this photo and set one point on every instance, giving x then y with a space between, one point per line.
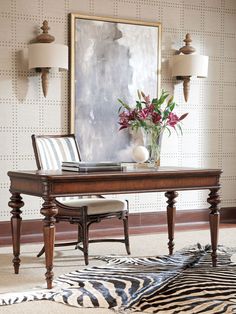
209 138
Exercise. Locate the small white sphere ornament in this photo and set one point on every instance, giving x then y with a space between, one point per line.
140 154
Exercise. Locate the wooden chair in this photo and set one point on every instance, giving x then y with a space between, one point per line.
50 151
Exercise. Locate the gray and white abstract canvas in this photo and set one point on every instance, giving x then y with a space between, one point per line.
112 60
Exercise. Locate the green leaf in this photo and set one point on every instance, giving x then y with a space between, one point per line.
126 106
139 95
156 104
161 101
170 100
163 97
172 106
120 109
166 113
159 111
138 105
179 126
168 130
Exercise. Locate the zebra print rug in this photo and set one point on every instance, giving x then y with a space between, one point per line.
182 283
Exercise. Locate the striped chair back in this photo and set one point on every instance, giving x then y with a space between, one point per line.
51 150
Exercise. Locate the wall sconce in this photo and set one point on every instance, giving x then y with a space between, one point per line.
44 55
187 64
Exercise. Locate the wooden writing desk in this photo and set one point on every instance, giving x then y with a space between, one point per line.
51 184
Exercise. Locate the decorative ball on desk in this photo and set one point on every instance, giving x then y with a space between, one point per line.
140 154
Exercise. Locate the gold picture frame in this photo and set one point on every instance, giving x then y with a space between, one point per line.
109 59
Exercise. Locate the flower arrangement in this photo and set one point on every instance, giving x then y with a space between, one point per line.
149 115
153 117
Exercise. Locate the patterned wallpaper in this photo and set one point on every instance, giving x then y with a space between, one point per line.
209 138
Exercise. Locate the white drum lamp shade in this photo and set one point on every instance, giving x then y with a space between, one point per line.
190 65
44 55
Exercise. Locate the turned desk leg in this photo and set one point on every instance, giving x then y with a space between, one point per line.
171 211
214 220
49 210
16 203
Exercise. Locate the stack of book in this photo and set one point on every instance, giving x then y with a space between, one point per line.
84 166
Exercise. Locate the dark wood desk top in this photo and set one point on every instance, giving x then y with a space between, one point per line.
129 180
127 171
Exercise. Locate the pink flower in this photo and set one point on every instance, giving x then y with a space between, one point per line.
143 114
151 108
132 115
125 117
147 99
124 120
156 117
173 119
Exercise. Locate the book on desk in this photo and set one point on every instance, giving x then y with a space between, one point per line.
83 166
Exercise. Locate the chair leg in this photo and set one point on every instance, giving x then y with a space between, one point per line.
80 235
85 234
41 252
126 233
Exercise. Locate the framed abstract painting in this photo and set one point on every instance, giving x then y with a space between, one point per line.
109 59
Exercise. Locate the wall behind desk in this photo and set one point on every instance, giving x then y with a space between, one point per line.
209 138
